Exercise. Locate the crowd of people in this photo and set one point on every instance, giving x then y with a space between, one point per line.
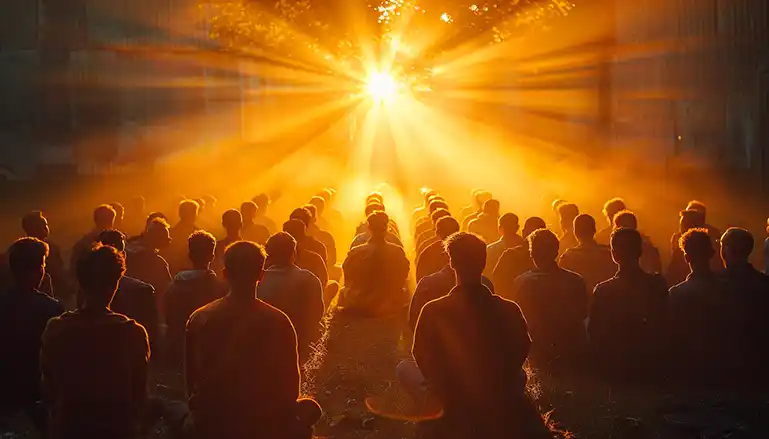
238 316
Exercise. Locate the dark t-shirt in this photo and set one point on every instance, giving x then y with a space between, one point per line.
431 260
375 277
513 263
591 261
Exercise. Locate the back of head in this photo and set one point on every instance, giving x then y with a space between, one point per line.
446 227
437 204
119 209
26 259
543 245
567 212
584 227
427 194
202 247
157 234
556 204
188 211
509 224
313 211
136 205
698 206
326 194
691 219
625 220
438 214
201 204
281 248
736 246
35 225
531 224
295 228
153 216
378 223
262 201
491 207
626 246
481 197
99 271
467 255
612 207
104 217
697 246
375 197
210 201
244 262
232 221
113 238
373 207
319 203
248 209
302 215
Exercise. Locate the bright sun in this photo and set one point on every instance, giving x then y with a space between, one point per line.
381 86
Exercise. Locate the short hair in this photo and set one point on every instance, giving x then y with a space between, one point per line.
533 223
189 209
295 228
99 270
696 244
155 215
556 204
544 242
201 203
567 212
739 242
26 255
437 204
232 218
104 216
319 203
584 226
248 209
697 205
119 209
154 226
692 219
312 209
32 221
374 207
626 243
625 219
243 258
262 200
467 253
428 193
481 196
201 246
326 194
446 227
378 222
611 207
302 214
491 206
509 223
210 200
438 214
281 247
113 238
375 196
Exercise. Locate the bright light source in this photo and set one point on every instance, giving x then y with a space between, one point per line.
381 86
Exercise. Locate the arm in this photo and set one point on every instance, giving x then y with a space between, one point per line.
286 358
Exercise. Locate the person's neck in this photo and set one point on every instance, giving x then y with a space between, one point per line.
233 235
701 268
629 267
469 281
377 237
202 266
547 265
27 288
243 292
587 242
95 308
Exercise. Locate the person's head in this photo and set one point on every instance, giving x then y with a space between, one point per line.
375 197
189 211
697 247
158 234
491 207
248 210
104 217
232 221
262 201
210 201
119 211
113 238
313 212
566 213
532 224
736 247
373 207
319 203
136 206
625 220
437 204
584 228
35 225
626 246
202 206
556 204
611 207
509 224
446 227
378 223
281 249
302 214
481 197
152 216
295 228
437 215
26 260
99 271
201 247
690 219
467 256
243 267
427 194
543 247
698 206
326 194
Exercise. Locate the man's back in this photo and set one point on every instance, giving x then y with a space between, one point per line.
431 260
313 263
593 262
747 292
375 276
513 263
136 300
95 374
486 227
147 265
257 233
495 249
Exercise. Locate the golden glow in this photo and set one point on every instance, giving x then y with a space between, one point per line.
382 86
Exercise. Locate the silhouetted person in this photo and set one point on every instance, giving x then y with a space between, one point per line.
144 262
480 199
364 235
241 361
103 219
650 256
119 214
295 291
190 290
252 231
678 269
515 261
305 259
24 313
486 224
611 208
508 228
700 207
554 302
189 212
320 210
567 212
333 217
421 211
232 223
321 235
589 259
627 314
375 273
134 299
426 224
469 348
473 207
135 215
35 225
146 225
309 242
429 237
434 257
262 201
94 361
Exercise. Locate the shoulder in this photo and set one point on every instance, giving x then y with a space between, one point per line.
572 276
604 288
307 275
275 318
202 314
134 283
48 303
508 307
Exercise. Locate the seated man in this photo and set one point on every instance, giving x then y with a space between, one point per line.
305 259
190 290
321 235
627 313
24 313
295 291
363 236
554 302
515 261
486 224
589 259
95 361
375 273
480 197
241 361
508 228
309 242
469 349
429 237
434 257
